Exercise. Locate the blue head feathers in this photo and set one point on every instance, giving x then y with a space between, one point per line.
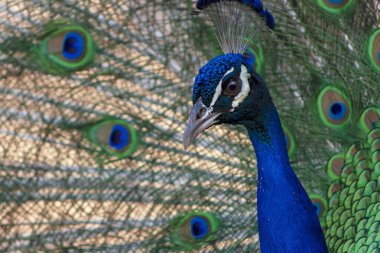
212 73
217 70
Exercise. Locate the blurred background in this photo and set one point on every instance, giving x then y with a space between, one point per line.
94 99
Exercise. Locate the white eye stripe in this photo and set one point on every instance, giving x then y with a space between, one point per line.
218 89
244 76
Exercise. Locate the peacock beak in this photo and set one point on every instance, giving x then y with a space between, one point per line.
200 119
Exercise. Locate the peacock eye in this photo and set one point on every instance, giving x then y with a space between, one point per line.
233 87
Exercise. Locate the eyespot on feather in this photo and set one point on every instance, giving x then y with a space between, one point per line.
336 6
373 49
335 166
193 230
290 141
369 119
114 136
334 107
65 48
320 205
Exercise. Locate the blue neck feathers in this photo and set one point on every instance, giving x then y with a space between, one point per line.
286 217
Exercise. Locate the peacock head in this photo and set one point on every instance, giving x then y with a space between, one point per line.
227 90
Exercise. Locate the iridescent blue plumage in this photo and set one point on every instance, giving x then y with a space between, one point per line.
280 194
317 207
210 75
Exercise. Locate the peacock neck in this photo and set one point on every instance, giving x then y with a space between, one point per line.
274 171
270 148
286 217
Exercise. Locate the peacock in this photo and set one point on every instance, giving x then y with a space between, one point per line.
96 95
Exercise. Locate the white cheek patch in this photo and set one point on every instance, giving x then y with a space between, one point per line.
218 89
244 76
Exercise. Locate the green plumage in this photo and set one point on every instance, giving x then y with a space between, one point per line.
64 189
352 221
